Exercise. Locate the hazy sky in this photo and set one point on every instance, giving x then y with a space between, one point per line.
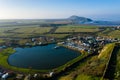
40 9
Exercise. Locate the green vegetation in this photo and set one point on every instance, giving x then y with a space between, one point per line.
116 62
68 64
35 30
8 51
106 51
4 58
115 34
72 74
105 32
3 29
86 77
109 32
23 31
93 68
81 26
77 29
29 30
2 41
60 36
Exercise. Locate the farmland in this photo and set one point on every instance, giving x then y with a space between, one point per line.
60 32
23 31
35 30
115 33
81 28
108 32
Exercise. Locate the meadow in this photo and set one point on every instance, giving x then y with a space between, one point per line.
109 32
77 28
23 31
34 30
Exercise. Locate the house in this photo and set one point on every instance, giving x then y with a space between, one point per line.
51 74
118 27
4 76
35 75
19 76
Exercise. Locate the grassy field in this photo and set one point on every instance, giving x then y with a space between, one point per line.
34 30
86 77
77 29
81 26
115 34
60 36
108 32
3 29
23 31
2 41
29 30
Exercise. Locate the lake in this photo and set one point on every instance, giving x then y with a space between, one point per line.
41 57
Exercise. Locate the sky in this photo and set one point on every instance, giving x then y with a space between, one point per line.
52 9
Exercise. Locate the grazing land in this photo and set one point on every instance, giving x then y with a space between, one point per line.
80 28
23 31
115 34
34 30
110 32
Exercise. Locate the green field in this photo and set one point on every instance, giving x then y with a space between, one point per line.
75 28
23 31
61 32
60 36
81 26
115 34
2 41
34 30
108 32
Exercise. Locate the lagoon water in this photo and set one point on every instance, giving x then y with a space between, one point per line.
41 57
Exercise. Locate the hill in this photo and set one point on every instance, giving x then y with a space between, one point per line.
77 19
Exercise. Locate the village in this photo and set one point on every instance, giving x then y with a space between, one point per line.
88 44
82 44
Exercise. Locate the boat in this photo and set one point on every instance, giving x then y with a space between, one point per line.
56 47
